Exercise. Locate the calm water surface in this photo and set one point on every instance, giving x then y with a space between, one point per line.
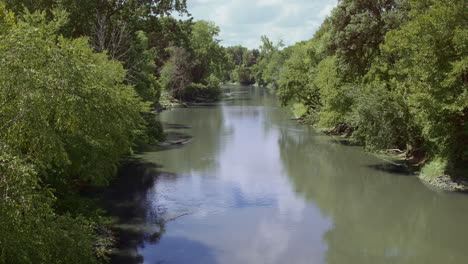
252 186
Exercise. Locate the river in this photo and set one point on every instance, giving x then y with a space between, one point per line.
253 186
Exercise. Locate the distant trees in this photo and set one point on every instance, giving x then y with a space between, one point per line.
391 73
196 71
270 63
244 61
210 57
254 66
297 80
176 73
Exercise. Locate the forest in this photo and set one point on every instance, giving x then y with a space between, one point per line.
81 81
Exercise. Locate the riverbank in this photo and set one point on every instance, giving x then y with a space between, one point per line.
440 180
445 183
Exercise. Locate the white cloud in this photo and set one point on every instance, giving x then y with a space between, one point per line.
242 22
326 10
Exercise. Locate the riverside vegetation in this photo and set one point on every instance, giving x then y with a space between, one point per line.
78 82
391 75
80 79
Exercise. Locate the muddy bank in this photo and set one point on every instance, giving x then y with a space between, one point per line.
445 183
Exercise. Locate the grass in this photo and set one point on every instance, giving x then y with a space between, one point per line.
435 168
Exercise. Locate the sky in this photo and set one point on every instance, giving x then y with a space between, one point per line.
242 22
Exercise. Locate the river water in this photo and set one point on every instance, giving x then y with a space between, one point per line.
253 186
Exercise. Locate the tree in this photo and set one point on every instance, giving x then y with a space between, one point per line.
209 57
238 54
358 28
176 73
244 62
141 68
296 80
165 32
271 61
431 73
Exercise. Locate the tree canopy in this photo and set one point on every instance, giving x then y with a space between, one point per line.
79 81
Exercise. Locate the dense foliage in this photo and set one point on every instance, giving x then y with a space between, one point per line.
67 118
260 66
195 72
391 73
78 81
243 61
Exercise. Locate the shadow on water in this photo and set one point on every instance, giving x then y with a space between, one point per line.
138 225
127 202
172 135
178 246
392 168
176 126
175 249
126 196
173 140
203 105
344 142
238 98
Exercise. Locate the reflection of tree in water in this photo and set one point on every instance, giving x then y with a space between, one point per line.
126 200
249 96
378 217
130 197
256 103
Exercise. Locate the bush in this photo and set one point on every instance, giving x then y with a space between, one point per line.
200 92
381 118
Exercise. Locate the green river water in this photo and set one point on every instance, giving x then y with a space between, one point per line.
253 186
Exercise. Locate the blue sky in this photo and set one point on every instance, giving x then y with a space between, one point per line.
242 22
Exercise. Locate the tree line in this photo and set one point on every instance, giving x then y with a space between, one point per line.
390 74
79 80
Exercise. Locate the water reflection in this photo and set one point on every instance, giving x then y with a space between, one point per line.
378 217
254 187
127 200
